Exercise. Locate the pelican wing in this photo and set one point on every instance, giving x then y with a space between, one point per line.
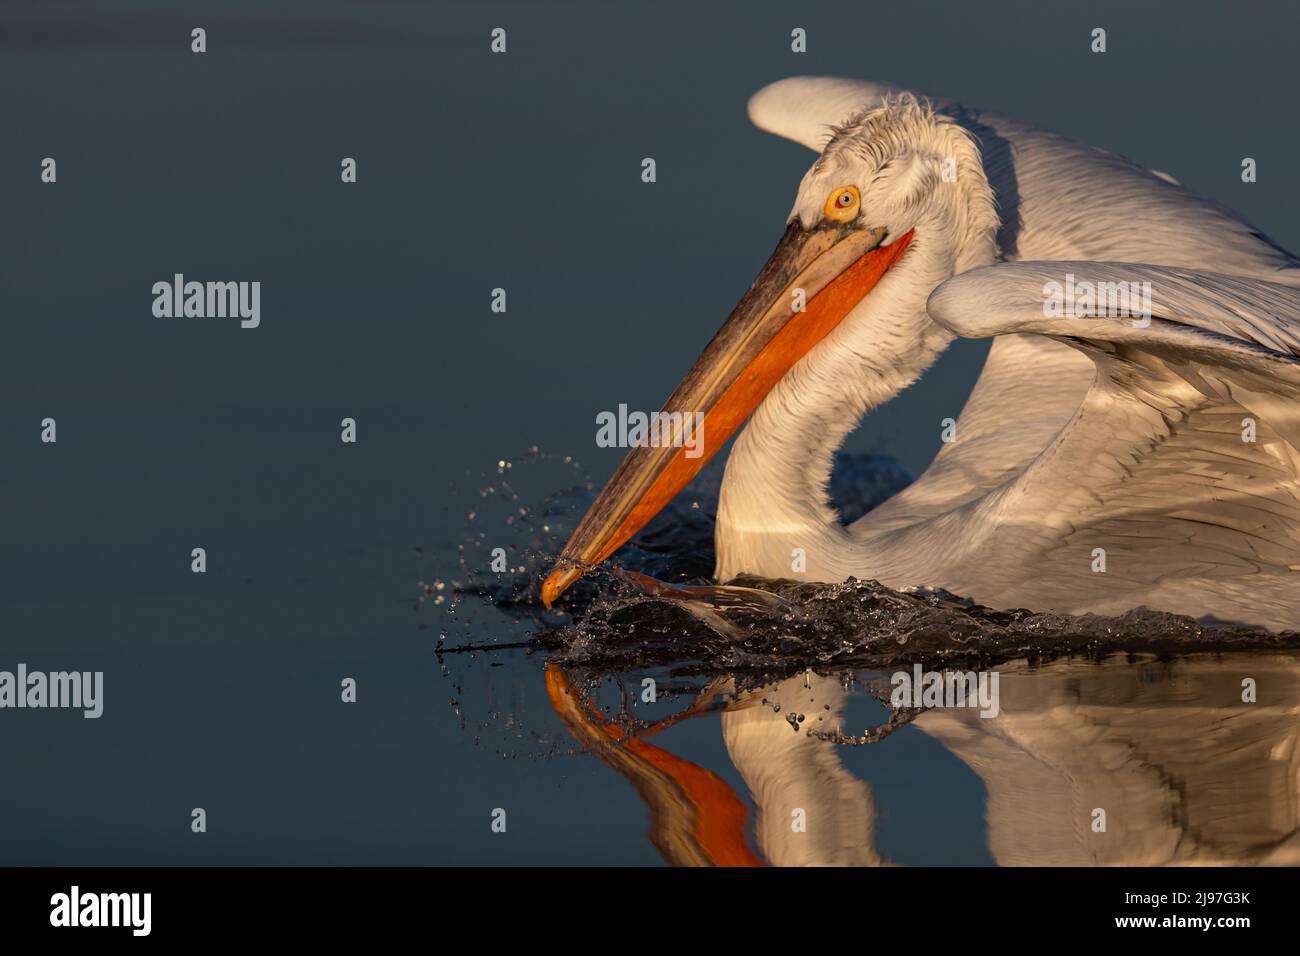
1063 200
807 108
1179 467
1185 772
1058 198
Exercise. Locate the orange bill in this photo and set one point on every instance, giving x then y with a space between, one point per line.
811 282
696 818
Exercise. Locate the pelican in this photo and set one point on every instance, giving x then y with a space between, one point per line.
1102 462
1186 774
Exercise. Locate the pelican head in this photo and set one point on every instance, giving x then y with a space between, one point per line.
896 203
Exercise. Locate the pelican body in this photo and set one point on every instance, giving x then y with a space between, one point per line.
1105 459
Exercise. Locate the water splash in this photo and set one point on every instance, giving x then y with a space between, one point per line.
617 620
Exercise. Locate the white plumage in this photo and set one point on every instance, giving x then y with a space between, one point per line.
1184 772
1083 434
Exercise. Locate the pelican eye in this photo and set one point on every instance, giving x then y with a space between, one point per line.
842 204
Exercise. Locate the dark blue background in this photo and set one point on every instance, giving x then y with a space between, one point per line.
476 171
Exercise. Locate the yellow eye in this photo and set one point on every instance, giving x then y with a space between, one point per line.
842 204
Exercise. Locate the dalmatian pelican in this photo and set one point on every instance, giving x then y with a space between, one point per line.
1102 461
1185 775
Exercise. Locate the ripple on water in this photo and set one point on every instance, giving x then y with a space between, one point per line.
759 627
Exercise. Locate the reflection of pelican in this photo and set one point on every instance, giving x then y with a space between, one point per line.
1183 769
1169 448
811 811
696 819
1185 772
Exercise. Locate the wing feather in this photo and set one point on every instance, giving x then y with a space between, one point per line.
1090 429
1058 200
1154 467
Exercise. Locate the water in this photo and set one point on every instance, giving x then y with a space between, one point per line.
223 690
756 722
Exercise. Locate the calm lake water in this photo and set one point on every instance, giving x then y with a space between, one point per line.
742 729
222 690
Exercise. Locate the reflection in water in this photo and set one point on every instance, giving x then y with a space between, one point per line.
788 770
1138 717
695 818
1183 769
